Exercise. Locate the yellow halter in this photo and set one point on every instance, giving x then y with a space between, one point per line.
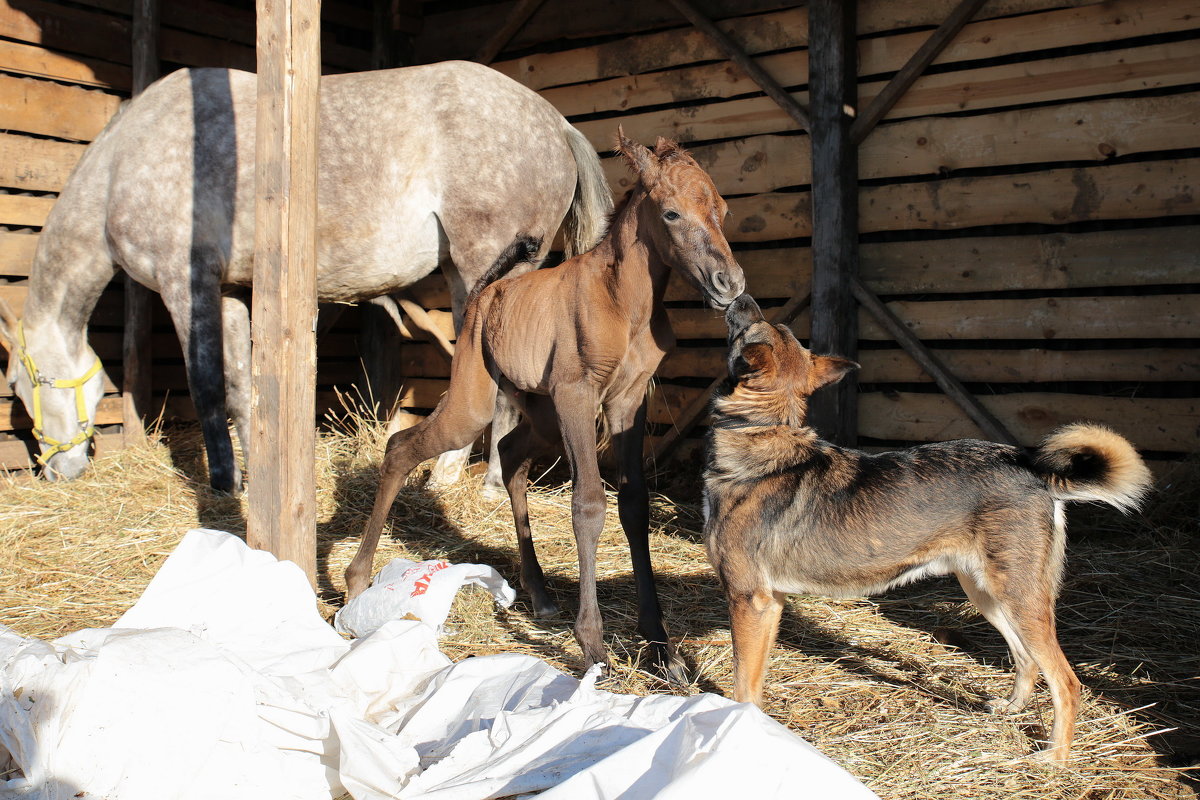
86 431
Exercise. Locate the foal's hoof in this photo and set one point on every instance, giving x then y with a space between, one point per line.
1053 757
1004 706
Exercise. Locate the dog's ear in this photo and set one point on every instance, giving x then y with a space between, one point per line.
830 369
755 358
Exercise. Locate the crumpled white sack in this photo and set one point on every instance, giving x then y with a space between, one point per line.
417 590
226 684
200 695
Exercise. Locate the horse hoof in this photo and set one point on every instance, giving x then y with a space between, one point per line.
544 609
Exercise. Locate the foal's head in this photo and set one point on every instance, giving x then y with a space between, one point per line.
684 217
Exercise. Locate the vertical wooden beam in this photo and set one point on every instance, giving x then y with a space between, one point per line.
833 72
136 353
282 493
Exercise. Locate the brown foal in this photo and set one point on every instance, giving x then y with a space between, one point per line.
565 343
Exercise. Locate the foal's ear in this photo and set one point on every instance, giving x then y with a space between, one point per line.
830 369
639 157
8 326
669 150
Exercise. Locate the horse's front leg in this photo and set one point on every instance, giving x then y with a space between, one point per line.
626 417
575 405
196 312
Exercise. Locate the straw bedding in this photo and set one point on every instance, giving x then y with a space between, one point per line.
892 687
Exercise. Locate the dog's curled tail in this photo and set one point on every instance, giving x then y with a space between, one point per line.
1091 463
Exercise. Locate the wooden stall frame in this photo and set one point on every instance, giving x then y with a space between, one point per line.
282 488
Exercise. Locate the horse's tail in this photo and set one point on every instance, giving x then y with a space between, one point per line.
523 250
590 208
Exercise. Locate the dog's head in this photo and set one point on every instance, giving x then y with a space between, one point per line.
771 375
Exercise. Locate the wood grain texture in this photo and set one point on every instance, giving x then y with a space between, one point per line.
282 493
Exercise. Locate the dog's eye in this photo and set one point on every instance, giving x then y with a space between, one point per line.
670 216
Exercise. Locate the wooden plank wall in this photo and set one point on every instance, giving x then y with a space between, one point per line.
64 70
1029 208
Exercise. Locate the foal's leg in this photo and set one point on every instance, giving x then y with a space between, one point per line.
517 450
444 429
627 422
195 308
575 405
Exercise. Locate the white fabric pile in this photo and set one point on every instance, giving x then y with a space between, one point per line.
223 682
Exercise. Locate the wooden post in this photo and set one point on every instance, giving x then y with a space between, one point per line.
282 493
136 353
833 72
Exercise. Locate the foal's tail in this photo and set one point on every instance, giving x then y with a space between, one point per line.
1091 463
588 216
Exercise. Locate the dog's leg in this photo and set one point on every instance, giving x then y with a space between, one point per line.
1026 668
754 618
1033 615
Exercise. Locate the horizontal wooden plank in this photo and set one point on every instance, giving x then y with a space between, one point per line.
1167 425
1037 262
24 210
38 62
14 454
1161 424
759 33
60 27
1052 197
14 417
1033 365
459 33
1094 130
980 40
1046 80
41 165
16 253
29 105
962 265
1147 317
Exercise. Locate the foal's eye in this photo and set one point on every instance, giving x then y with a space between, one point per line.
670 216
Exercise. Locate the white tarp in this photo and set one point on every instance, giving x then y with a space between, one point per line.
223 682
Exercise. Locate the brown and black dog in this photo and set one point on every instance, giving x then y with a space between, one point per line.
786 512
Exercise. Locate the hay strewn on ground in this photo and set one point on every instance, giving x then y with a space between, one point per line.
866 681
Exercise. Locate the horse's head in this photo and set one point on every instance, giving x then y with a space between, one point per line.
688 213
60 385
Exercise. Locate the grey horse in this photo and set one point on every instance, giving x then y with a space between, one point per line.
438 165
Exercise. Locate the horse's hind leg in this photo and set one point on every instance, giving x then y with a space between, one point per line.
517 449
235 322
196 312
627 422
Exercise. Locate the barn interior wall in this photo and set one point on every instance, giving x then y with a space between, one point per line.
1028 208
